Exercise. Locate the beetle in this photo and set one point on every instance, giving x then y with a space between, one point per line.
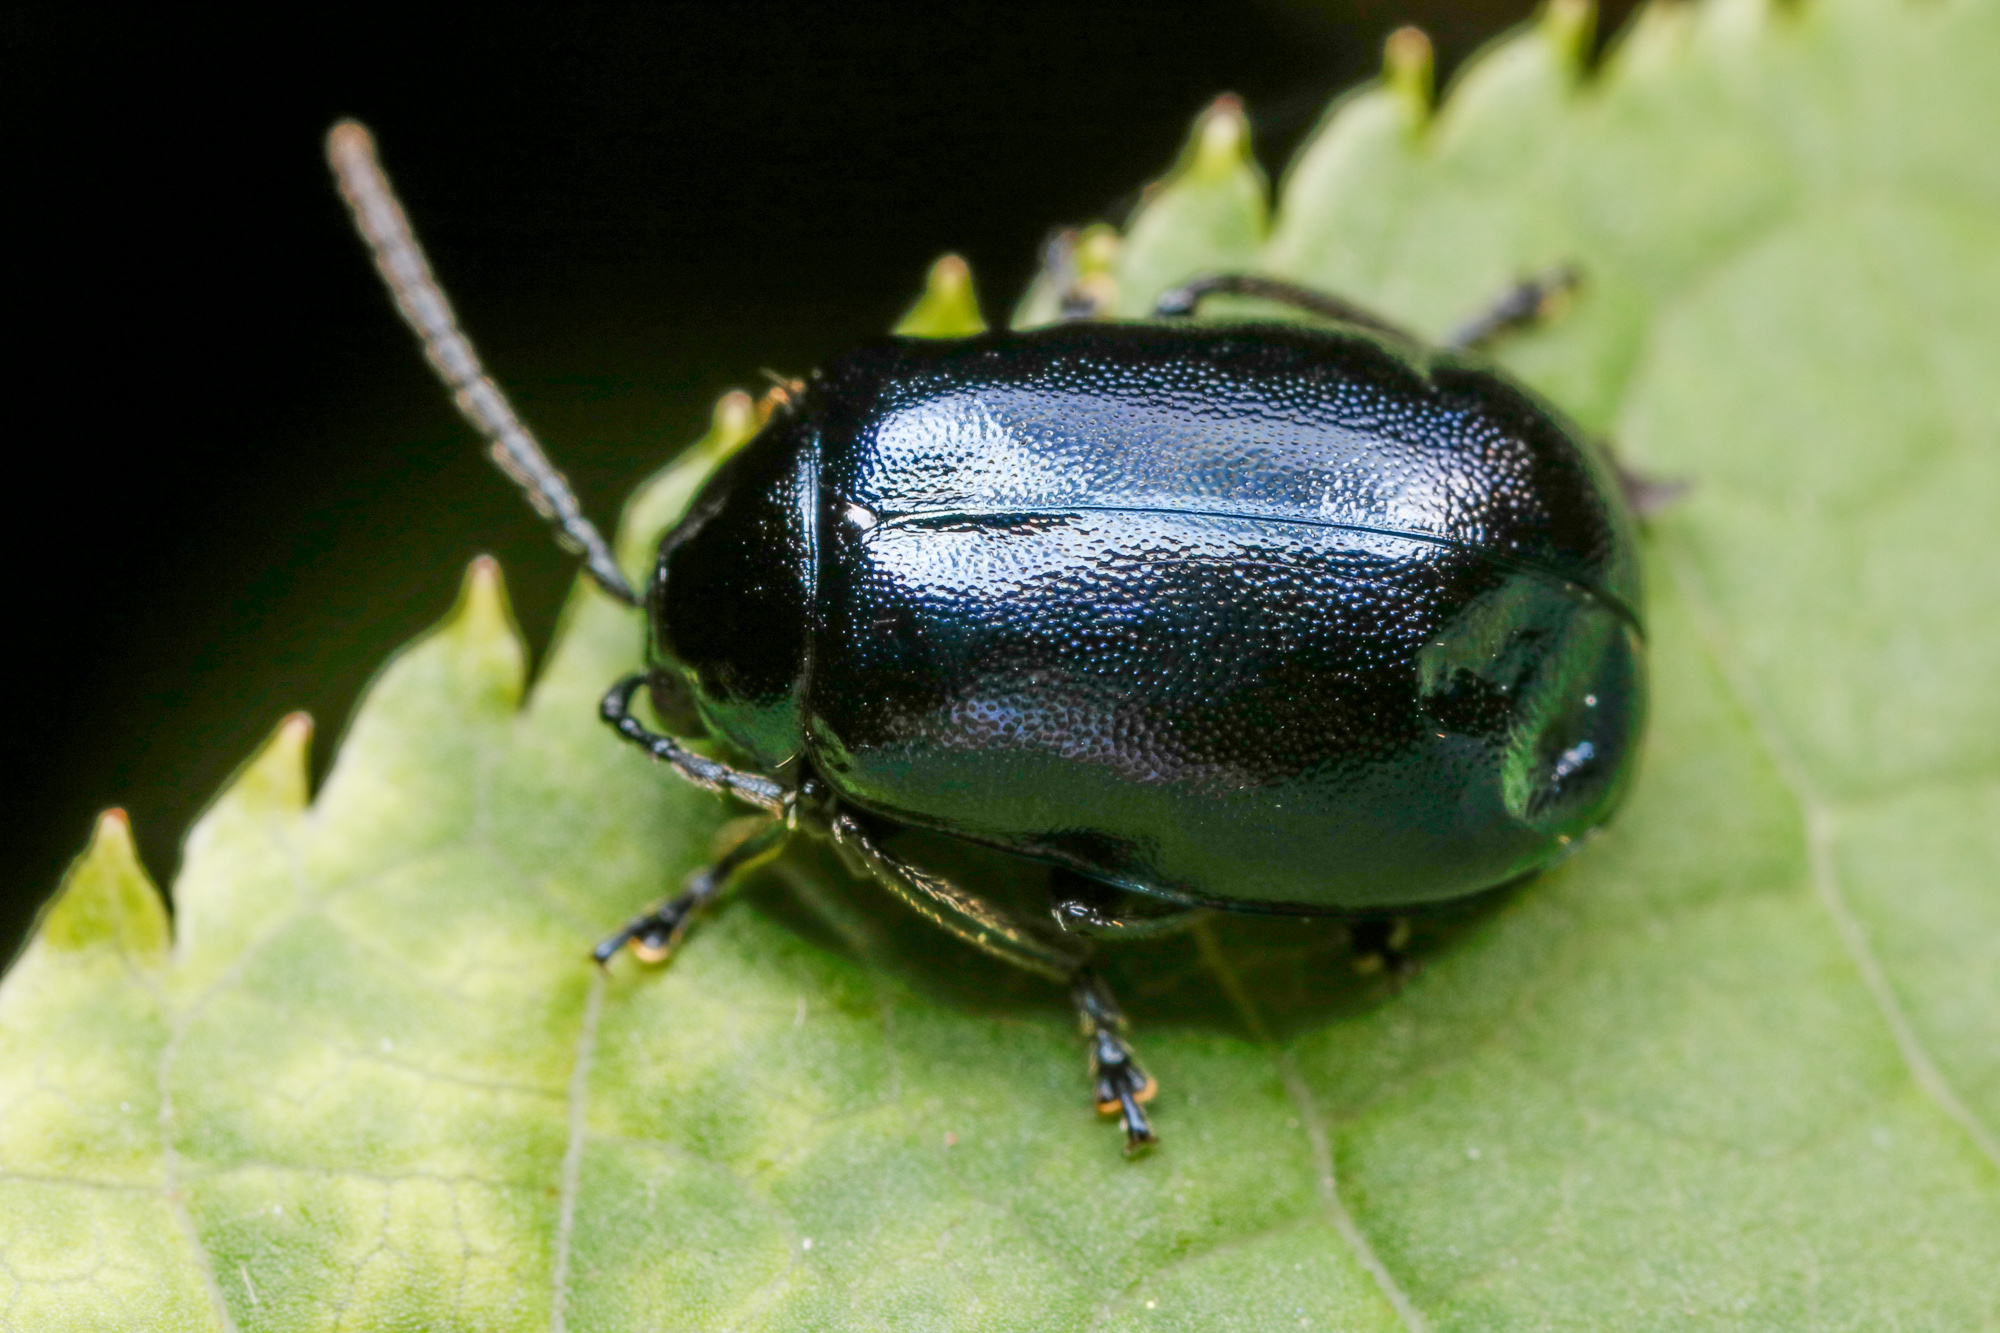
1240 617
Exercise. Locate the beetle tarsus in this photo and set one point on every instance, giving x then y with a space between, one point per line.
1123 1088
1379 945
652 937
655 935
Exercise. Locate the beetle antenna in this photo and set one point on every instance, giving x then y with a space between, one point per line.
380 219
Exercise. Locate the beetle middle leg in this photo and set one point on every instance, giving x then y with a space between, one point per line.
944 904
1529 302
1120 1085
1526 302
1123 1088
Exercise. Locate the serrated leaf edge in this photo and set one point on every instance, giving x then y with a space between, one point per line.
107 900
948 307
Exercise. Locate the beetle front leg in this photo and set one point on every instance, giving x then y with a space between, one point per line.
709 774
655 934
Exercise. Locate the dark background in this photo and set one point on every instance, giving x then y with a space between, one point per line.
235 487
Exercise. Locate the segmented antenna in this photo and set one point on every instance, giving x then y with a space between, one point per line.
350 149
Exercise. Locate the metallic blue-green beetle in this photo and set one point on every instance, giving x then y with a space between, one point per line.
1240 617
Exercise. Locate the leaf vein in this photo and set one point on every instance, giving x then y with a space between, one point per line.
572 1162
1822 832
1315 1127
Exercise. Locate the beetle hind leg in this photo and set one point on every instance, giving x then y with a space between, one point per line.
655 934
1532 301
1529 301
1181 302
1123 1087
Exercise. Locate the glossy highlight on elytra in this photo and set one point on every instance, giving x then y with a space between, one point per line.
1250 617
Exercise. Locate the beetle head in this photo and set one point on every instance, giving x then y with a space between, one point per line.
728 603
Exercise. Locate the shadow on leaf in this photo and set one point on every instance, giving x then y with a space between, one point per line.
1296 973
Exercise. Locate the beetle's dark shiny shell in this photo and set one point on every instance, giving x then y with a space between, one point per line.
1253 616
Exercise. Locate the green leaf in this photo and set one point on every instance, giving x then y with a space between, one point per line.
948 307
1736 1065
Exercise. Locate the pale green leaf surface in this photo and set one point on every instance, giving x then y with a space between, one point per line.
1736 1065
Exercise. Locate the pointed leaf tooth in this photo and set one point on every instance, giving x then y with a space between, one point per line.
422 729
1208 215
1345 196
1409 67
1515 88
491 659
1652 40
1221 142
1340 188
731 422
108 899
272 782
948 307
1568 26
81 1027
236 870
663 497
